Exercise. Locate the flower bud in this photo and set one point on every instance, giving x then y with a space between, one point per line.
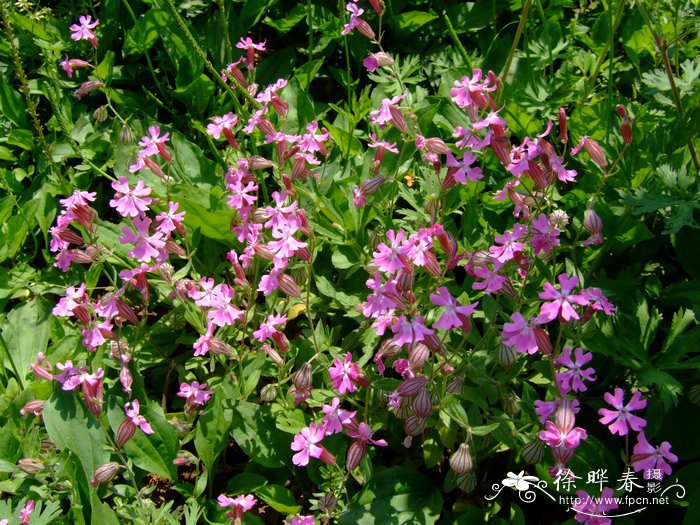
559 219
455 386
126 136
437 145
356 452
184 458
104 473
257 162
533 452
364 29
592 222
30 466
410 387
100 114
542 339
417 354
219 347
563 134
327 503
288 286
303 377
422 404
125 432
370 186
511 404
414 425
272 354
461 461
268 393
507 356
33 407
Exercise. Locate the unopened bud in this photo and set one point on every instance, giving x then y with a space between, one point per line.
455 386
288 286
564 417
268 393
257 162
355 454
533 452
461 461
422 404
303 377
104 473
507 356
542 339
411 386
100 114
414 425
32 407
592 222
30 466
125 432
563 134
417 354
437 145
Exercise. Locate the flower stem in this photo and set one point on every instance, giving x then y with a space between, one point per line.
516 40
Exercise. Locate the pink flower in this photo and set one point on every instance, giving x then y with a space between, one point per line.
545 409
223 313
240 505
84 30
313 141
306 444
573 378
623 420
154 143
25 515
268 329
591 511
345 375
356 22
376 60
335 417
598 300
195 393
455 315
508 243
561 302
392 258
171 221
220 124
520 334
301 520
471 92
556 437
74 296
492 119
146 247
132 413
71 64
130 201
544 239
492 280
649 458
413 331
389 112
250 47
363 434
463 170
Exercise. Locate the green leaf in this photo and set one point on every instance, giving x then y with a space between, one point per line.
395 495
24 344
452 406
101 512
254 10
70 426
292 18
255 432
212 431
411 21
140 38
279 498
151 452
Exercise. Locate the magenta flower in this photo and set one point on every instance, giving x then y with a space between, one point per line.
561 302
455 314
463 170
195 393
413 331
492 119
392 258
492 280
132 412
169 221
146 247
508 243
544 238
25 515
335 417
555 436
573 378
345 375
83 31
250 48
74 296
240 505
356 22
389 112
471 92
71 64
520 334
220 124
363 434
545 409
154 143
268 328
306 444
223 313
623 420
649 458
130 201
590 510
301 520
598 300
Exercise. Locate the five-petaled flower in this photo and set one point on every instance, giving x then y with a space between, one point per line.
83 31
622 419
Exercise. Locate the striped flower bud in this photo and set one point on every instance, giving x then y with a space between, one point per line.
33 407
288 286
303 377
414 425
563 133
422 404
30 466
461 461
411 386
104 473
564 417
455 386
542 339
356 452
533 452
417 354
507 356
125 432
437 145
592 222
268 393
